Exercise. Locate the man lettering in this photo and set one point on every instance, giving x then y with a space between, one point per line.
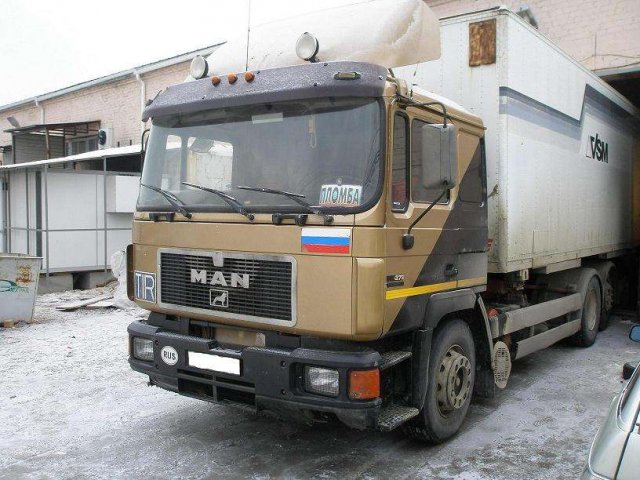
198 276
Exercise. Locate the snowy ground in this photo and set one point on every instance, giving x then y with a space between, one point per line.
70 407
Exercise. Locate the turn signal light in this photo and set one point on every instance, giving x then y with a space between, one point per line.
364 384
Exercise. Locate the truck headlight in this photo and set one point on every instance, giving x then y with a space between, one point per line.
143 349
323 381
307 46
199 67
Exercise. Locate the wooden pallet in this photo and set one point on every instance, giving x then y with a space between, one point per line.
83 303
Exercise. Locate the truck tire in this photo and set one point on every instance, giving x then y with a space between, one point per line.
452 366
608 296
591 312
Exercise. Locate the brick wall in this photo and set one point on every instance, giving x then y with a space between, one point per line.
116 105
599 33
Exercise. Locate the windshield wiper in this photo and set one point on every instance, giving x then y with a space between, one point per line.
296 197
229 200
175 202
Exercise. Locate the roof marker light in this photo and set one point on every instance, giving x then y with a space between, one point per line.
249 76
199 67
307 47
232 77
215 80
347 75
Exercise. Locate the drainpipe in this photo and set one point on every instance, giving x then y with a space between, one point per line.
143 99
41 107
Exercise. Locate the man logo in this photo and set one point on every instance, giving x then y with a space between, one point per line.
217 278
219 298
598 149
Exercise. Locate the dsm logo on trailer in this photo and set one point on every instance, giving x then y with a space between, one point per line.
145 286
597 149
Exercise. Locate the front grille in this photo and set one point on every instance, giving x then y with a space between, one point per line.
269 295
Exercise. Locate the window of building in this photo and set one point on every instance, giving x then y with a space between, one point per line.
82 145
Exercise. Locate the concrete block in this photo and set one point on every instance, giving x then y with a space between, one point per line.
88 280
56 282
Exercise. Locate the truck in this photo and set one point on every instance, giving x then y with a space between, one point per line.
372 230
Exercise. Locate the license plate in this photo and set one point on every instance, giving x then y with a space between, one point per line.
215 363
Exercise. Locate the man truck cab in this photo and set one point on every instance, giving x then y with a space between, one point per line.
312 239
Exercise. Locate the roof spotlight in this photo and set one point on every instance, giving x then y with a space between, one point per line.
199 67
307 47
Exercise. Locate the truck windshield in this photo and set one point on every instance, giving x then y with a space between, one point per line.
326 151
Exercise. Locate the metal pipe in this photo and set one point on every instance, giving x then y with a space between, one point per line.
41 107
104 206
57 230
46 143
8 213
27 206
45 170
143 95
5 192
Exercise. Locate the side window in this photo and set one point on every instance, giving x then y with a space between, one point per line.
418 192
399 191
472 189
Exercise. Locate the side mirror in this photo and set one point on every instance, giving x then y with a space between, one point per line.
439 156
634 334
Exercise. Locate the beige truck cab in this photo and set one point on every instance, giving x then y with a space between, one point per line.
325 239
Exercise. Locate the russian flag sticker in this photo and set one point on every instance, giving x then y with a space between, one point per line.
326 240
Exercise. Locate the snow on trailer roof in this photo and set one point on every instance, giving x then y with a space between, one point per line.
390 33
80 157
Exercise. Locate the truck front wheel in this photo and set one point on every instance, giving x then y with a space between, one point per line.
452 366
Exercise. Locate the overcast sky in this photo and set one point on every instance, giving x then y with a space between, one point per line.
46 45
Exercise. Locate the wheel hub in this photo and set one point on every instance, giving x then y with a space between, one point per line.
453 380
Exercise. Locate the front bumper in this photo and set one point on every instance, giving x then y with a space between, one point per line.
270 378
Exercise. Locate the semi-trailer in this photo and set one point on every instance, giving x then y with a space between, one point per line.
336 222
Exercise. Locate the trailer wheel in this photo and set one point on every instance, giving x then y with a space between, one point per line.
591 313
452 366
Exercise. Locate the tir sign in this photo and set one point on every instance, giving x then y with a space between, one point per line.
145 286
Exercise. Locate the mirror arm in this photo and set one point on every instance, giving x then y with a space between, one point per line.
407 238
143 147
413 103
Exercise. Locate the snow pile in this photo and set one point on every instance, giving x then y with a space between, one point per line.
120 299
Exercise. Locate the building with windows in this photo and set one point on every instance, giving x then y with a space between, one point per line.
69 168
603 36
71 117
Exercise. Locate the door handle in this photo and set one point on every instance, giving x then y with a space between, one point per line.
450 270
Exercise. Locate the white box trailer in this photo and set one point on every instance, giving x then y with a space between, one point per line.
561 145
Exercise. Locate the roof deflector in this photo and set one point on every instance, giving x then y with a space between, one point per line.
390 33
